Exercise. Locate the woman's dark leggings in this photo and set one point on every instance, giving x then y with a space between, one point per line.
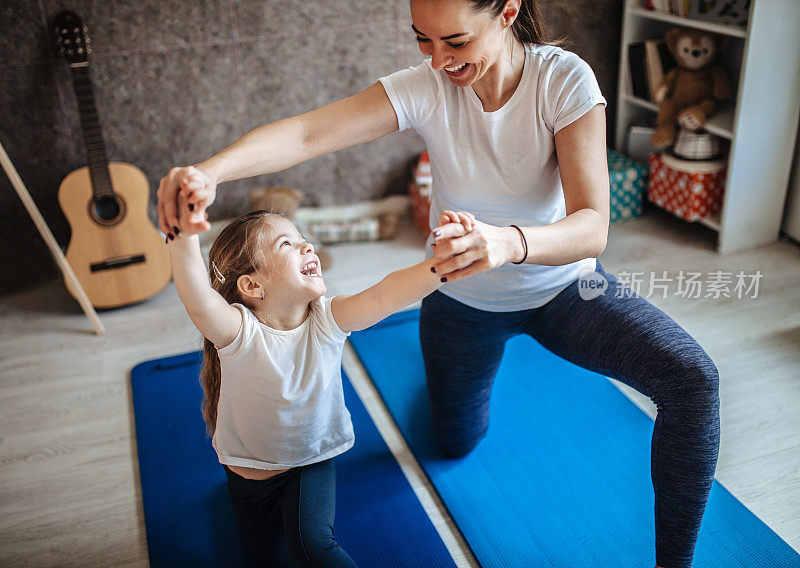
287 520
618 334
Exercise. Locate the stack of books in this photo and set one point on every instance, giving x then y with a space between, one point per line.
649 61
674 7
730 12
347 230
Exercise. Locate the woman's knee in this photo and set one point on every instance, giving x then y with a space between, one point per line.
457 443
701 373
691 381
459 414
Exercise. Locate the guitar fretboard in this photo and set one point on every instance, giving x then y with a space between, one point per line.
92 134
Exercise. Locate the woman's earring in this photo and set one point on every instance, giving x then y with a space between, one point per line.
262 295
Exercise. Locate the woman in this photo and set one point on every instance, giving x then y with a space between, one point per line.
516 133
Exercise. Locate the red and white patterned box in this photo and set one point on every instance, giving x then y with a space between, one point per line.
689 190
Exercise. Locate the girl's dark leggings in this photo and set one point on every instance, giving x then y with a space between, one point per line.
287 520
618 334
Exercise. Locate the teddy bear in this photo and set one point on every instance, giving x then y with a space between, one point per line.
689 91
283 200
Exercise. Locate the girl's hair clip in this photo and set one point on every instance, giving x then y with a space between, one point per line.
217 273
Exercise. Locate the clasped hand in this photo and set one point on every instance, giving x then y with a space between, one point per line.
466 246
183 196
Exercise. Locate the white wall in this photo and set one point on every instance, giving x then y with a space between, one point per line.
791 217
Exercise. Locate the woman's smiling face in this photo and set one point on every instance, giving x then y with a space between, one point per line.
464 42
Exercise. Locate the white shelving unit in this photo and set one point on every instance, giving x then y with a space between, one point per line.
763 63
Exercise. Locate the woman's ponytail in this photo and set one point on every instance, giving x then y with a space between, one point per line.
528 28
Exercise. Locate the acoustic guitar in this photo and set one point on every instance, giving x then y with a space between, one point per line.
115 251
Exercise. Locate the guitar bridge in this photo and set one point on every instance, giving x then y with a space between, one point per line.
119 262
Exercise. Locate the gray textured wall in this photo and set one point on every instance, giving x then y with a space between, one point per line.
176 81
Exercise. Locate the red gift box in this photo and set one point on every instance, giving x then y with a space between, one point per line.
420 207
689 190
419 192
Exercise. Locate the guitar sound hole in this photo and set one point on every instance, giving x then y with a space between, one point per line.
107 210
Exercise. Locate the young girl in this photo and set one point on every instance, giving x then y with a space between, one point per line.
272 375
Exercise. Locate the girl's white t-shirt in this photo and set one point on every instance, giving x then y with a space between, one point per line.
281 402
501 165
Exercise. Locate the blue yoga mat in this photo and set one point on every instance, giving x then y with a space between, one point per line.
188 515
563 477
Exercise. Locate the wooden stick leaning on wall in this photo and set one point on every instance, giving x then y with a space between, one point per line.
47 235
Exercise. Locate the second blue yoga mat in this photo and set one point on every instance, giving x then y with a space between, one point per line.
563 477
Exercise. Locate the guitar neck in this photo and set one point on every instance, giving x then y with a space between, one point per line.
92 134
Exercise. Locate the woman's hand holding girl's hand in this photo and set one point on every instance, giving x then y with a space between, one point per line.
466 219
463 252
183 196
193 223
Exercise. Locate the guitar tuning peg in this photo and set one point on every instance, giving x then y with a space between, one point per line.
89 50
63 31
80 50
76 30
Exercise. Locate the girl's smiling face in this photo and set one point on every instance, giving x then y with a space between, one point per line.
293 267
464 42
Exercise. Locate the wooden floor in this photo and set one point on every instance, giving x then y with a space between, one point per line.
69 487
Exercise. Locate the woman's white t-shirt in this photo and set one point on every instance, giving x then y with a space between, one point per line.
281 402
501 165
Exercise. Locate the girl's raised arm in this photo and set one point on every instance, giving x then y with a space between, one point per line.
212 315
399 289
354 120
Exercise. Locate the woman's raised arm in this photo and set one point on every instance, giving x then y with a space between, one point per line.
273 147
